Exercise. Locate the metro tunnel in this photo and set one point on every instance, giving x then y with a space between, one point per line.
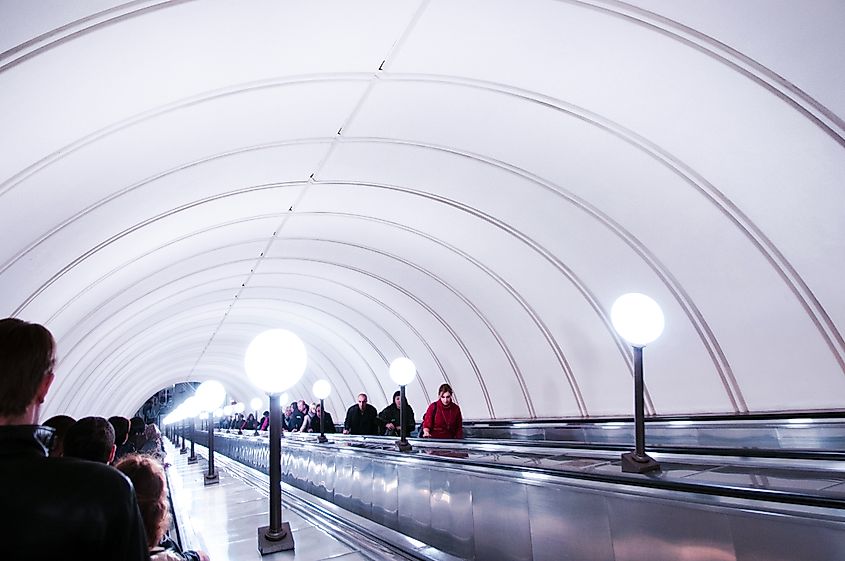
471 185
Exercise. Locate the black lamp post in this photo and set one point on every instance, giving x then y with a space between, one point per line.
402 372
275 361
321 390
639 320
212 476
211 395
277 536
183 450
322 438
192 459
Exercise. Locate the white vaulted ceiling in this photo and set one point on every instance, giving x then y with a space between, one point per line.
467 183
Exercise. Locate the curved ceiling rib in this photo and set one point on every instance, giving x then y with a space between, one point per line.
818 314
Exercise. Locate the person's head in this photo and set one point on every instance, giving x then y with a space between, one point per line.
445 394
147 477
302 405
90 438
27 356
288 411
362 401
136 426
121 429
251 417
265 414
397 398
60 424
317 409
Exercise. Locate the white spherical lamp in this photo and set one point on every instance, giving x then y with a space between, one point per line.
321 389
191 406
403 371
211 395
238 407
275 360
637 318
256 403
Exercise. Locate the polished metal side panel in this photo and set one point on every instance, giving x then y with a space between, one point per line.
500 517
451 511
767 537
568 524
787 434
485 512
667 530
362 487
343 481
385 494
415 502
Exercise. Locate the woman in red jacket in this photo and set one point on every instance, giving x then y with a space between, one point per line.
443 418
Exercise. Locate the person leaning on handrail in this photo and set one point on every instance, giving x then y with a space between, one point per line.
361 418
443 417
389 417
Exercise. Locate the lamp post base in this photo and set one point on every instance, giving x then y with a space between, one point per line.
271 544
192 460
631 463
404 446
183 451
211 479
322 439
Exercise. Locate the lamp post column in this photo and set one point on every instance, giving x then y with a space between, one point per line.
276 536
403 445
322 439
212 476
639 320
183 450
639 407
192 459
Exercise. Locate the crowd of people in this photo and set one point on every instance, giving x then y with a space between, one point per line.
442 418
91 488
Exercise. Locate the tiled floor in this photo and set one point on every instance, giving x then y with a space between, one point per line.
223 519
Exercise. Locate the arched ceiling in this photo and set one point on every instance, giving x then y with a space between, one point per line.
470 184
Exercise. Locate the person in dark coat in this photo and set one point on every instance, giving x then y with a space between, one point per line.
328 422
389 417
361 418
54 508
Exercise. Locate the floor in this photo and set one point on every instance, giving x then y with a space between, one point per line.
223 519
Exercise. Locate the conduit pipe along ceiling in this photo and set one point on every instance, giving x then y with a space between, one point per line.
469 184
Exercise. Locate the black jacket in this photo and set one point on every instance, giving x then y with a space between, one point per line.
328 423
63 508
365 422
390 414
